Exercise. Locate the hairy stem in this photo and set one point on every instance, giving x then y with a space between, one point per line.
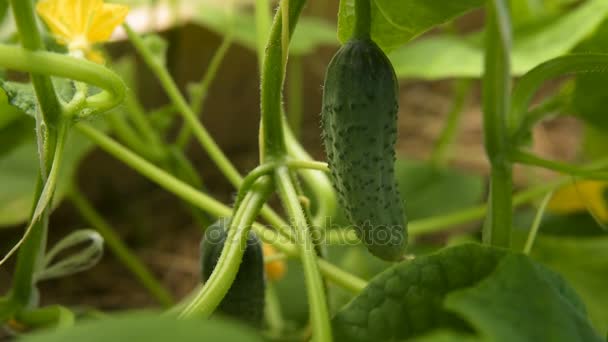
319 315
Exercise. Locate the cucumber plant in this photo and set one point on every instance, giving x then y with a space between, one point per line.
414 296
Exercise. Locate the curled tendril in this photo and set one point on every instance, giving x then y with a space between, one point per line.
80 261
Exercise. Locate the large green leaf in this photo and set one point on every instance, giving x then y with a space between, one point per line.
583 261
407 300
589 98
394 23
149 328
429 191
310 33
521 301
446 56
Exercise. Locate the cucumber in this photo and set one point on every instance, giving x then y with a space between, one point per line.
246 297
359 122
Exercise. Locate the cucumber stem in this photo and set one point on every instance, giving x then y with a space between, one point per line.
363 19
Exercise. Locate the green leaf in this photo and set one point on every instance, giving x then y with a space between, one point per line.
20 95
433 58
521 301
405 301
310 34
19 171
588 99
429 191
146 327
23 97
394 23
583 261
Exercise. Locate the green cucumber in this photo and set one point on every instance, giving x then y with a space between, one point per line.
245 298
359 121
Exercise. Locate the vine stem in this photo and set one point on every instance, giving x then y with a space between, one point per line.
224 273
209 204
273 76
31 255
496 96
199 131
314 283
31 39
308 165
363 19
536 224
201 89
46 195
118 247
49 63
440 154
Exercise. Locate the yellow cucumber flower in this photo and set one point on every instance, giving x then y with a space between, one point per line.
79 24
275 270
581 196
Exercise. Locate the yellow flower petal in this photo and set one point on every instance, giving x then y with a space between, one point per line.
81 23
579 197
83 12
50 13
95 56
105 20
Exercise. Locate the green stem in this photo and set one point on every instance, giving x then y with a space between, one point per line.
314 283
272 312
33 243
497 228
48 63
536 224
207 203
295 100
527 158
263 23
190 118
496 95
251 178
273 75
439 156
32 252
308 165
153 172
118 247
218 284
363 19
201 89
142 123
23 11
125 133
318 182
528 84
198 129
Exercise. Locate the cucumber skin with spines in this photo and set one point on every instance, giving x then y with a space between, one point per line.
359 122
245 299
